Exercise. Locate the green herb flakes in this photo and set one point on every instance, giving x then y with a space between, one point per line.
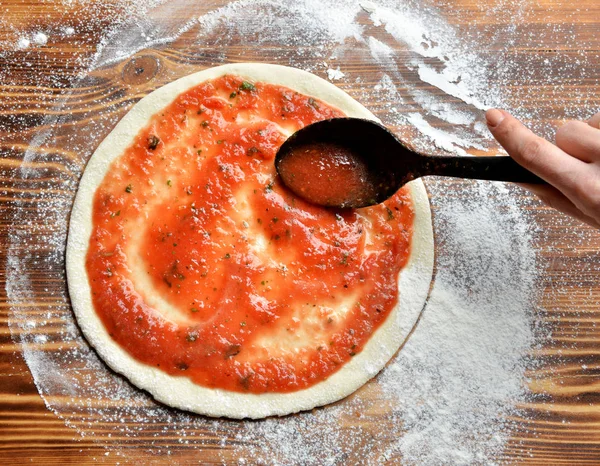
390 213
247 86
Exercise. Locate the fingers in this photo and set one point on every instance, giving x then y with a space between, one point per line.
595 121
574 182
580 140
554 198
536 154
577 180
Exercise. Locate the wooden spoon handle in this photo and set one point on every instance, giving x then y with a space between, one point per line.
479 168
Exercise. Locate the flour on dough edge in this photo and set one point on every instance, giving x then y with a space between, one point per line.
179 391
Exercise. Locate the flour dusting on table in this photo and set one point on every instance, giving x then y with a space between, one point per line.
450 392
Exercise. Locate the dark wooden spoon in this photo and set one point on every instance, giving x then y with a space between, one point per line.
352 162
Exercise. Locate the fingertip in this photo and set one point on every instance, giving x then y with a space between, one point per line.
505 128
595 121
494 117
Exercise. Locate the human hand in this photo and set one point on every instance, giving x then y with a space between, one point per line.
571 167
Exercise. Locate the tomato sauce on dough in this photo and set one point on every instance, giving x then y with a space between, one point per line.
202 264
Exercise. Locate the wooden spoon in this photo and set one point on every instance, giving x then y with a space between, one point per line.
352 162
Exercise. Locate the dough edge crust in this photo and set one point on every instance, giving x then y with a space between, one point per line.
179 391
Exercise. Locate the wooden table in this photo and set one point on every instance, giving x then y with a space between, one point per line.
562 425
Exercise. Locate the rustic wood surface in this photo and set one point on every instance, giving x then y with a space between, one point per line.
562 426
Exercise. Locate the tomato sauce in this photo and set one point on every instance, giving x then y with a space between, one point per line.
202 264
329 175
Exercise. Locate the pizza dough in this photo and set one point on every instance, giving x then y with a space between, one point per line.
180 391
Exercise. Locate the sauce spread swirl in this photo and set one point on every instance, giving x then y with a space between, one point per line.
202 264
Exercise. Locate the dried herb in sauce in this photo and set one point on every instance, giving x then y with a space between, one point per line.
247 86
153 142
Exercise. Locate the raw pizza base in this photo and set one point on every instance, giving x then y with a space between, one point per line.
181 392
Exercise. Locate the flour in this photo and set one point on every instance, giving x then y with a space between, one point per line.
450 84
448 395
472 338
335 74
23 43
40 38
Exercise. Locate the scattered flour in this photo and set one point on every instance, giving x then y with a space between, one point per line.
23 43
450 84
334 74
448 395
40 38
380 51
441 139
457 379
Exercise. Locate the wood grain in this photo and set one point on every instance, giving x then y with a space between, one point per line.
561 426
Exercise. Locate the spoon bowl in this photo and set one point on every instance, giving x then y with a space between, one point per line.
353 162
